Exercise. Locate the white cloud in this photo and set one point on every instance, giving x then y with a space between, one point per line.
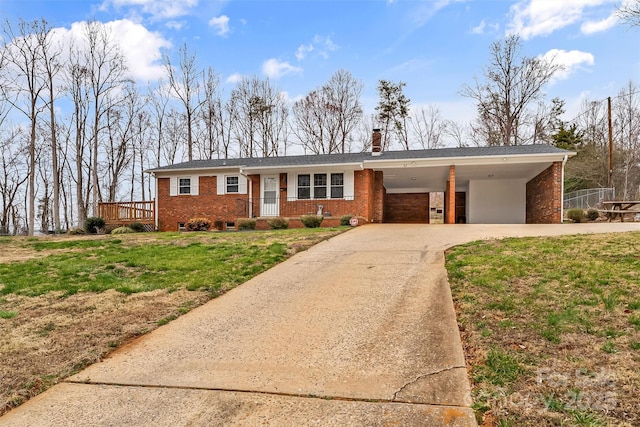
571 61
221 24
531 18
480 28
140 47
275 69
427 9
591 27
157 9
303 50
176 25
234 78
322 45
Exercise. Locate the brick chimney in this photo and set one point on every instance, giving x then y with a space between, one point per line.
376 143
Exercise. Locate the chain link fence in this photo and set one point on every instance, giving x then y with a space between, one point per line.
589 198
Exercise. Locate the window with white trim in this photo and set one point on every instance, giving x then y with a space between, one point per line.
304 186
337 185
232 184
320 186
323 186
184 185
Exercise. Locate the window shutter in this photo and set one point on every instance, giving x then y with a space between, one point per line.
220 183
173 186
292 184
242 184
195 185
348 184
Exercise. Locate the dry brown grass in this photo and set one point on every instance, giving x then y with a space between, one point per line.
54 335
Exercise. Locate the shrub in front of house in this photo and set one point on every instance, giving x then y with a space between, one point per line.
278 223
311 221
198 224
246 224
137 227
344 219
123 230
593 214
575 215
75 231
94 224
218 224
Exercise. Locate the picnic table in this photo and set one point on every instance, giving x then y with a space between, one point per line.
619 207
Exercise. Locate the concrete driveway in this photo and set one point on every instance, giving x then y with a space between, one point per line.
359 330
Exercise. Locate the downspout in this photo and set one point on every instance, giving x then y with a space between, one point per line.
564 162
250 190
155 177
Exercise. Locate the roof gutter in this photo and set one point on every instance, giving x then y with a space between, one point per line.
169 171
249 169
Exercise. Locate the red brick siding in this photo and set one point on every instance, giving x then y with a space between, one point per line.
379 196
208 204
336 207
450 198
544 196
407 208
263 223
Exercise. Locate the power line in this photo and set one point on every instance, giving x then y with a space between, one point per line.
595 103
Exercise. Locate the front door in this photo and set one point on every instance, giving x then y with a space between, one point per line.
270 205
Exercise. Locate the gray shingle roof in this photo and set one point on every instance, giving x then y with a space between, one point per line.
328 159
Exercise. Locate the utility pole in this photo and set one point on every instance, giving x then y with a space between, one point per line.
610 144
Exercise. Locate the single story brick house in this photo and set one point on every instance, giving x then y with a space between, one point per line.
504 184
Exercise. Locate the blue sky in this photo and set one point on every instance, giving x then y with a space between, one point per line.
434 46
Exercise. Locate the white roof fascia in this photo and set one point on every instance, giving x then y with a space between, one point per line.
254 170
199 171
461 161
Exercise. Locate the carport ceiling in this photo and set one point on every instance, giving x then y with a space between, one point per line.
420 177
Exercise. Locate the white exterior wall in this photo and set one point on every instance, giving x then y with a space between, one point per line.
497 201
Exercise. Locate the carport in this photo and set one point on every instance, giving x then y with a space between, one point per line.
488 185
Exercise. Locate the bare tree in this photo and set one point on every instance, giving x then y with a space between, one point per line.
210 115
172 137
24 55
428 127
345 91
326 117
121 129
546 121
77 85
259 116
458 132
589 168
159 102
13 174
626 109
364 131
106 69
512 82
51 53
629 11
185 84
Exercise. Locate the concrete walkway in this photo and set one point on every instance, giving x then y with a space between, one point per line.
359 330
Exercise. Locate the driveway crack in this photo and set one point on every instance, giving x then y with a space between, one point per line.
423 376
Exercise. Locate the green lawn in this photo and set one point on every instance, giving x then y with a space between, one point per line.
195 261
551 328
67 301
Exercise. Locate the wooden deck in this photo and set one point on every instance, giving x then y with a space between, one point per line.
124 213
